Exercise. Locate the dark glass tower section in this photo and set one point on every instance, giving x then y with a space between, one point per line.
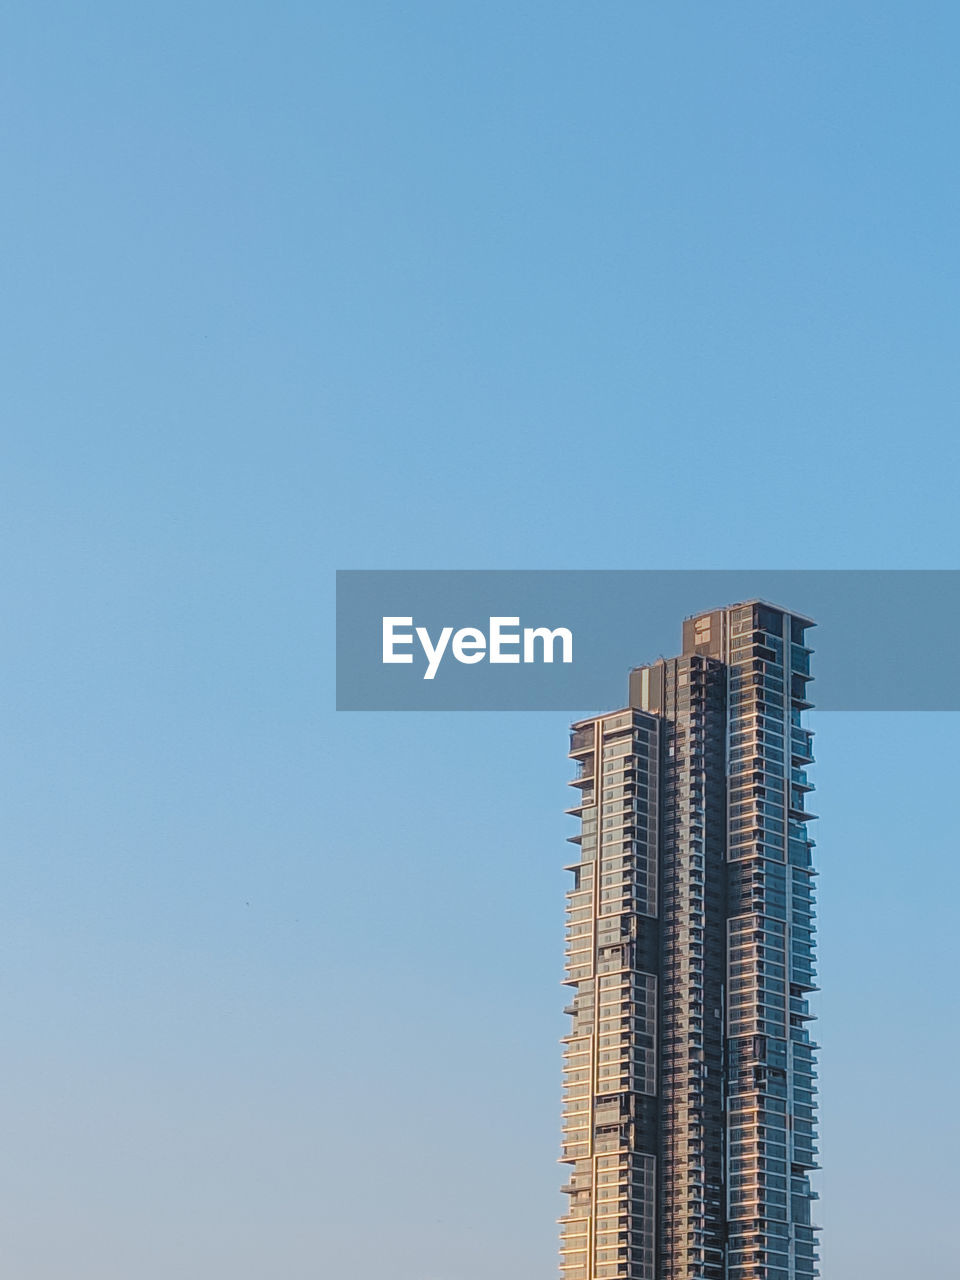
689 1071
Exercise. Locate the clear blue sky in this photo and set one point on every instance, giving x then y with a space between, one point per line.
299 286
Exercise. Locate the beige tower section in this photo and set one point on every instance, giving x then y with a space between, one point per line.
610 1055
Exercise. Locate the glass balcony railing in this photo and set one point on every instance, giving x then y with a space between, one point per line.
799 660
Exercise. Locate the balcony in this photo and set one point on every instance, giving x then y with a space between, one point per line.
583 775
797 811
800 660
585 802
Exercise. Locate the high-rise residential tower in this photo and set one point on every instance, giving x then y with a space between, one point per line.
689 1080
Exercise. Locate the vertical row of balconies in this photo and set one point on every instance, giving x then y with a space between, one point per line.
801 1051
770 946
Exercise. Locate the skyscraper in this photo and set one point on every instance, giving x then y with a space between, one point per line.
689 1080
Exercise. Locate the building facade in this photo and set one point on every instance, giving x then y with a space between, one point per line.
689 1073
